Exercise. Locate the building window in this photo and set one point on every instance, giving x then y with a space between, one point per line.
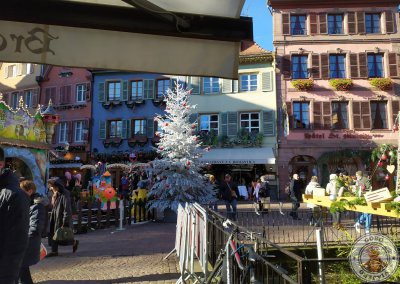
162 88
337 67
12 71
375 68
80 93
339 115
299 66
378 115
14 100
27 68
250 121
211 85
209 122
298 24
372 23
115 129
78 131
335 24
114 91
28 98
62 138
301 115
139 126
137 90
248 82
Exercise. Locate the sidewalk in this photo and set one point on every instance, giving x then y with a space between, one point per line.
105 256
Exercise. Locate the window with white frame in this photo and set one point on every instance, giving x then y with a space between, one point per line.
80 93
250 121
248 82
78 131
210 85
137 90
14 100
28 98
115 128
114 91
162 88
12 70
139 126
209 122
62 137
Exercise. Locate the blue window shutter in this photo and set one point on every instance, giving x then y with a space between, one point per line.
224 123
102 94
148 86
102 129
150 127
268 123
232 123
267 81
125 124
125 91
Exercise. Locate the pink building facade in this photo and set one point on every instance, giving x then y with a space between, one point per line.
69 90
321 43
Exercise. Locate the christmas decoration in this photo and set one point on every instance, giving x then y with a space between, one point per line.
178 168
383 157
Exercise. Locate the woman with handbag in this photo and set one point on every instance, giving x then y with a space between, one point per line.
37 220
61 227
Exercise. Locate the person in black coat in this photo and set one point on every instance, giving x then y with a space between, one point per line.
295 195
36 226
14 224
61 213
229 193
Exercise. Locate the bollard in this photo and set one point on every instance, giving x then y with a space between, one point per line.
121 215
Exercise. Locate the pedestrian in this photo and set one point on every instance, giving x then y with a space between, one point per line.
264 195
230 193
332 191
14 224
214 204
363 185
37 220
295 195
124 187
69 181
61 214
313 185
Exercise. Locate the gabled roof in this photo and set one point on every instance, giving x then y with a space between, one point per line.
251 53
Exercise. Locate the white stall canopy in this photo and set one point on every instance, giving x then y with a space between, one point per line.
179 37
263 156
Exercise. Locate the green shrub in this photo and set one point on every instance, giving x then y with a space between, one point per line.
303 84
341 84
383 84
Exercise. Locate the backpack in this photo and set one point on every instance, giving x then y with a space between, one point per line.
264 190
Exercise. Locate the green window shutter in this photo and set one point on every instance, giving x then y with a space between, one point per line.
125 126
193 118
266 78
102 129
226 86
224 123
268 123
195 85
125 92
172 84
148 86
102 94
232 123
150 127
235 86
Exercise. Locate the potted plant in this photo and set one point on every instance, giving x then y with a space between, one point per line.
341 84
303 84
383 84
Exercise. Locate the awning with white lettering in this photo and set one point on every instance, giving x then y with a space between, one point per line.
263 156
177 37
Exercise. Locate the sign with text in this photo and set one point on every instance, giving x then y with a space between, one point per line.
339 135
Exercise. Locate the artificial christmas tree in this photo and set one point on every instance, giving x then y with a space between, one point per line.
178 170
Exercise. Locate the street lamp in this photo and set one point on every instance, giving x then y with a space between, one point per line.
50 119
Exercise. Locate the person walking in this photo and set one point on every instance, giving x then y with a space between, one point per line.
37 220
230 193
363 185
14 224
61 213
313 185
214 204
295 195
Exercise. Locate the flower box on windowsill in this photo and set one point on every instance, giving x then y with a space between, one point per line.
303 84
383 84
158 101
115 142
137 139
341 84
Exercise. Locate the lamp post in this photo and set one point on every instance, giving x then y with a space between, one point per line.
50 119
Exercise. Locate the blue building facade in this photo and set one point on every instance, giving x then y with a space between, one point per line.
124 107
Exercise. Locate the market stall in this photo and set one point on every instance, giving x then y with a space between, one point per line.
25 138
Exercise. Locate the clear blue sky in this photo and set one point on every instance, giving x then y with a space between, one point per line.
262 22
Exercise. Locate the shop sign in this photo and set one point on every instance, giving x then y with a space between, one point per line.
346 135
228 162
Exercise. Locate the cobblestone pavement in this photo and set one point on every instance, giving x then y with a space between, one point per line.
105 256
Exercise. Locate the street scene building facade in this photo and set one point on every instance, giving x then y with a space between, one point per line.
336 83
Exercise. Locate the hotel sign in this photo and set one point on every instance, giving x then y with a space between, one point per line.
334 135
229 162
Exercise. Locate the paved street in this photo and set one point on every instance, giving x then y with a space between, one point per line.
132 256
